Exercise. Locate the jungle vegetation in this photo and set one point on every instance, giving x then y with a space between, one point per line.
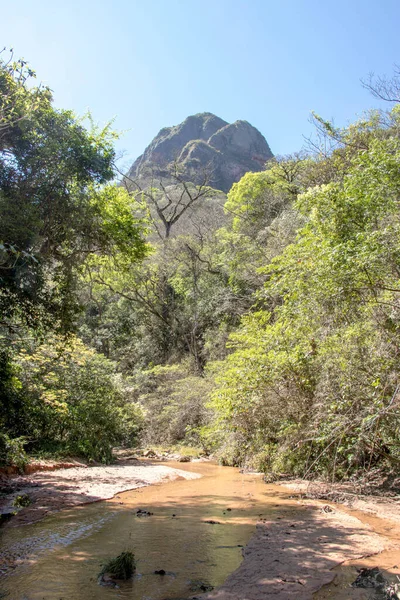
262 326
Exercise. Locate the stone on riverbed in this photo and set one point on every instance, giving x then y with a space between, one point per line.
200 586
6 516
211 522
143 513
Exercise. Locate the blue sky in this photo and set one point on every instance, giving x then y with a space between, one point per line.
151 63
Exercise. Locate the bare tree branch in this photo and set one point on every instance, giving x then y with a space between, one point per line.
384 88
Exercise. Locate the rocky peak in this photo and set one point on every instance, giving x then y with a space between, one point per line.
204 142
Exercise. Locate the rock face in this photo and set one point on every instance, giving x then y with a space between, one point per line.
203 145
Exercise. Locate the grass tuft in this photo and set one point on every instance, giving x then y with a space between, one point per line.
121 567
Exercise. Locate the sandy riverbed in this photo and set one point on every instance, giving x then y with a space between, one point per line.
291 555
318 551
296 556
54 490
385 505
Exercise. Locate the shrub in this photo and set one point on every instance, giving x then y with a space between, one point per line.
22 501
12 451
74 401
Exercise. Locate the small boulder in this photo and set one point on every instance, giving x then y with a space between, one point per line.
184 459
211 522
149 454
369 578
6 516
200 586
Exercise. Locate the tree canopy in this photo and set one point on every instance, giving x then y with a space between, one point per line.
262 325
54 207
58 208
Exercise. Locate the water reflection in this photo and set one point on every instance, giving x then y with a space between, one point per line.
61 556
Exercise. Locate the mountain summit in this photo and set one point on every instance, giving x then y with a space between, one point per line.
203 143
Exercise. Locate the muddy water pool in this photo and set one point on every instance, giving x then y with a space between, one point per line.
59 557
195 534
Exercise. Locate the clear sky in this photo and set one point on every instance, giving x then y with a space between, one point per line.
151 63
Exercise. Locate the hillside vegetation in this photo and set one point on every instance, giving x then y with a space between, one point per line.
262 325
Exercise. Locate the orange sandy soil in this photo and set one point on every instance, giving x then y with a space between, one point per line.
53 488
374 502
296 556
311 551
317 552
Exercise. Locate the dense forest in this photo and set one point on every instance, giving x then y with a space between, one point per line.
261 325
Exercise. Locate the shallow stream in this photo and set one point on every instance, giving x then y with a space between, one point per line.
195 533
60 557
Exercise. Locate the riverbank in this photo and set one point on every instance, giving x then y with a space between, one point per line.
320 551
53 489
375 501
296 555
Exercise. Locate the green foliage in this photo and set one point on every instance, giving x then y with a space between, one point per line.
57 213
174 405
263 221
121 567
314 380
174 299
22 501
72 400
12 451
54 210
258 198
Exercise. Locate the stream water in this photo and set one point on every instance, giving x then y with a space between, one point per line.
60 557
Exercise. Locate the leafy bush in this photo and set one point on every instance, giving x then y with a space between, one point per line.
74 401
12 451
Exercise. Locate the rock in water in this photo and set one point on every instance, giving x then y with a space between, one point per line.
202 144
184 459
369 578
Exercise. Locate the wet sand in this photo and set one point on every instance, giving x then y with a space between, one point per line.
295 546
58 489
